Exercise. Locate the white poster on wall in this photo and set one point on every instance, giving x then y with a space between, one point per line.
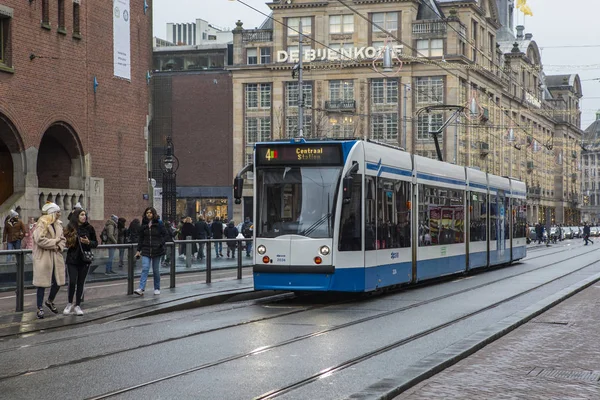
121 37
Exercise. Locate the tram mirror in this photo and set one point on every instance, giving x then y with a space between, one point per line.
347 189
238 188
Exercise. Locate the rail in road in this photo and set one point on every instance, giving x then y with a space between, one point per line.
283 309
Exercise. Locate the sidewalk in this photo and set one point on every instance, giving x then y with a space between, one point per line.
124 306
554 356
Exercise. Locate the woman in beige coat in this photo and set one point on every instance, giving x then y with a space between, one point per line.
48 261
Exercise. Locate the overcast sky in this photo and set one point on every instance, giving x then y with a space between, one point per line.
554 23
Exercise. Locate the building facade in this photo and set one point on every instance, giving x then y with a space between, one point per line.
74 106
516 120
192 95
590 178
197 33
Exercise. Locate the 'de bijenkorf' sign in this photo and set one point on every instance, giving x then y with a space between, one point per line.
351 54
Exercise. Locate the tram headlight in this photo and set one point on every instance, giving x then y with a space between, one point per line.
261 249
324 250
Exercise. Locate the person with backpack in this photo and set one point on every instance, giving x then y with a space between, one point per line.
151 248
203 233
247 231
231 232
216 229
109 236
81 239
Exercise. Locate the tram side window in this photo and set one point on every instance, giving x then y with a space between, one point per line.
478 214
392 220
441 216
519 218
350 223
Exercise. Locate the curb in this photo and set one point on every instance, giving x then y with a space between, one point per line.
427 367
185 304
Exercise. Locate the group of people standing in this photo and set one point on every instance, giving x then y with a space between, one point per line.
218 229
50 239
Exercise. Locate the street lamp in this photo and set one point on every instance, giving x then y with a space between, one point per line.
169 165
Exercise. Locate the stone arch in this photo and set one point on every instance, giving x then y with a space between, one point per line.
533 53
13 163
60 162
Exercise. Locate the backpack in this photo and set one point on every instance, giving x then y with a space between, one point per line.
104 236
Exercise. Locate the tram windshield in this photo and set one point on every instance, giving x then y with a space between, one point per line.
296 201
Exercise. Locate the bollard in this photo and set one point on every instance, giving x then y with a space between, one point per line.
130 268
188 253
173 260
208 261
239 259
20 292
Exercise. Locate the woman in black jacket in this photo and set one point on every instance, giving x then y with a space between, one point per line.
151 247
80 236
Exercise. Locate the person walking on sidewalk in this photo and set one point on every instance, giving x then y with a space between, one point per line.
203 232
247 231
81 237
188 230
48 261
121 239
151 247
586 233
111 229
14 232
217 233
231 232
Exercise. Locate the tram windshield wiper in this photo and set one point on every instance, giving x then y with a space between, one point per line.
308 231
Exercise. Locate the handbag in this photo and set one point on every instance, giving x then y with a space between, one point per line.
86 255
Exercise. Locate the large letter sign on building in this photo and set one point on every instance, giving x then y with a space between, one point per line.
354 54
121 38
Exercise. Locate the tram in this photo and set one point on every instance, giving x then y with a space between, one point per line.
360 216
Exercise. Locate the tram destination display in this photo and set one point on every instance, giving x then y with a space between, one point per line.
301 154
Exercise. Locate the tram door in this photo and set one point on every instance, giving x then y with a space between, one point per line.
370 234
500 230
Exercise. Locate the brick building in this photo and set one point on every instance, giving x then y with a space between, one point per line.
193 97
74 105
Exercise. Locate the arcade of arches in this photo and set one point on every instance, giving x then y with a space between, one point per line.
57 164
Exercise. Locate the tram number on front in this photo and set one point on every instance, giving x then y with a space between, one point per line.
281 257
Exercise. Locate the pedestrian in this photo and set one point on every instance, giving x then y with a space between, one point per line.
247 231
539 233
188 230
110 226
133 232
216 229
586 233
151 247
48 261
27 242
81 239
121 239
203 233
231 232
14 232
170 229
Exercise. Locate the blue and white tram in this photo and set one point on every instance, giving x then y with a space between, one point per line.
358 216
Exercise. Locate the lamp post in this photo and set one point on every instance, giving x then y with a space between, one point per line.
169 165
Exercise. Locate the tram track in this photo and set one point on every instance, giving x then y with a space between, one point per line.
275 299
263 319
356 360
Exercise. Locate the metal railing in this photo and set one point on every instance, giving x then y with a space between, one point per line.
171 251
257 35
429 27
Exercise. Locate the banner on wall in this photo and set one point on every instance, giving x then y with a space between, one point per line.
122 40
